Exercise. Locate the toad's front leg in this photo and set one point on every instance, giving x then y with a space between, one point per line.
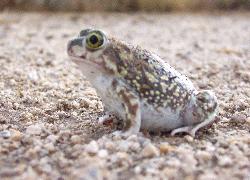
131 105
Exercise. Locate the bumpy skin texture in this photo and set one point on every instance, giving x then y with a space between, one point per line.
153 82
140 87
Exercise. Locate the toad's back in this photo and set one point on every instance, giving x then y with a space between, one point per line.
155 82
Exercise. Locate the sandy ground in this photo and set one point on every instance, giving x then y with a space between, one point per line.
48 110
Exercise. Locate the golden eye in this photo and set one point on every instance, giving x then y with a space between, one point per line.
94 40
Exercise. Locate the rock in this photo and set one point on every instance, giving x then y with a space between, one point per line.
16 135
123 146
29 174
34 129
45 165
92 147
86 103
3 119
75 139
208 176
122 159
189 138
203 156
137 169
5 134
110 146
26 116
134 146
31 153
102 153
52 138
165 148
33 76
90 172
225 161
12 82
75 105
248 120
150 151
50 147
133 137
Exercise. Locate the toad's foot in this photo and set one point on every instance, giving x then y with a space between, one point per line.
191 130
187 129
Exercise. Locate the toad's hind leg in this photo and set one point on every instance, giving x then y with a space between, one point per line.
131 106
191 130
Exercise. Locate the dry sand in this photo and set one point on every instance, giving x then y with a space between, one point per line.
48 109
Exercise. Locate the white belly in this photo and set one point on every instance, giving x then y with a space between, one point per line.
162 120
151 119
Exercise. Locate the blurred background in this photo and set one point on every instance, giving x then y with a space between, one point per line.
124 5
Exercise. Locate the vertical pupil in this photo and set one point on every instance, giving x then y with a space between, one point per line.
93 39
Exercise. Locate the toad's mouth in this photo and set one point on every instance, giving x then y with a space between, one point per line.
83 61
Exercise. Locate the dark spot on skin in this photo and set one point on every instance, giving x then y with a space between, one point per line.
75 42
112 53
140 63
132 108
215 105
82 56
127 125
84 32
123 105
114 83
172 78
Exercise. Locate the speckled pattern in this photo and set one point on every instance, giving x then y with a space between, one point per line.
157 85
48 110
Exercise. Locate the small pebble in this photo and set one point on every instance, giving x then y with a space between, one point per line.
137 169
102 153
16 135
33 76
150 151
34 129
86 103
52 138
123 146
2 119
165 148
134 146
5 134
225 161
50 147
133 137
248 120
110 146
92 147
203 156
189 138
12 82
75 139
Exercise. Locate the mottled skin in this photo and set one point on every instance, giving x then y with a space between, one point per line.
140 87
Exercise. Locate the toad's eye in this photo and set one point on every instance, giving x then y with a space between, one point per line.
94 40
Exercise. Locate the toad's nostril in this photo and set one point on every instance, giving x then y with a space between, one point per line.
74 42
